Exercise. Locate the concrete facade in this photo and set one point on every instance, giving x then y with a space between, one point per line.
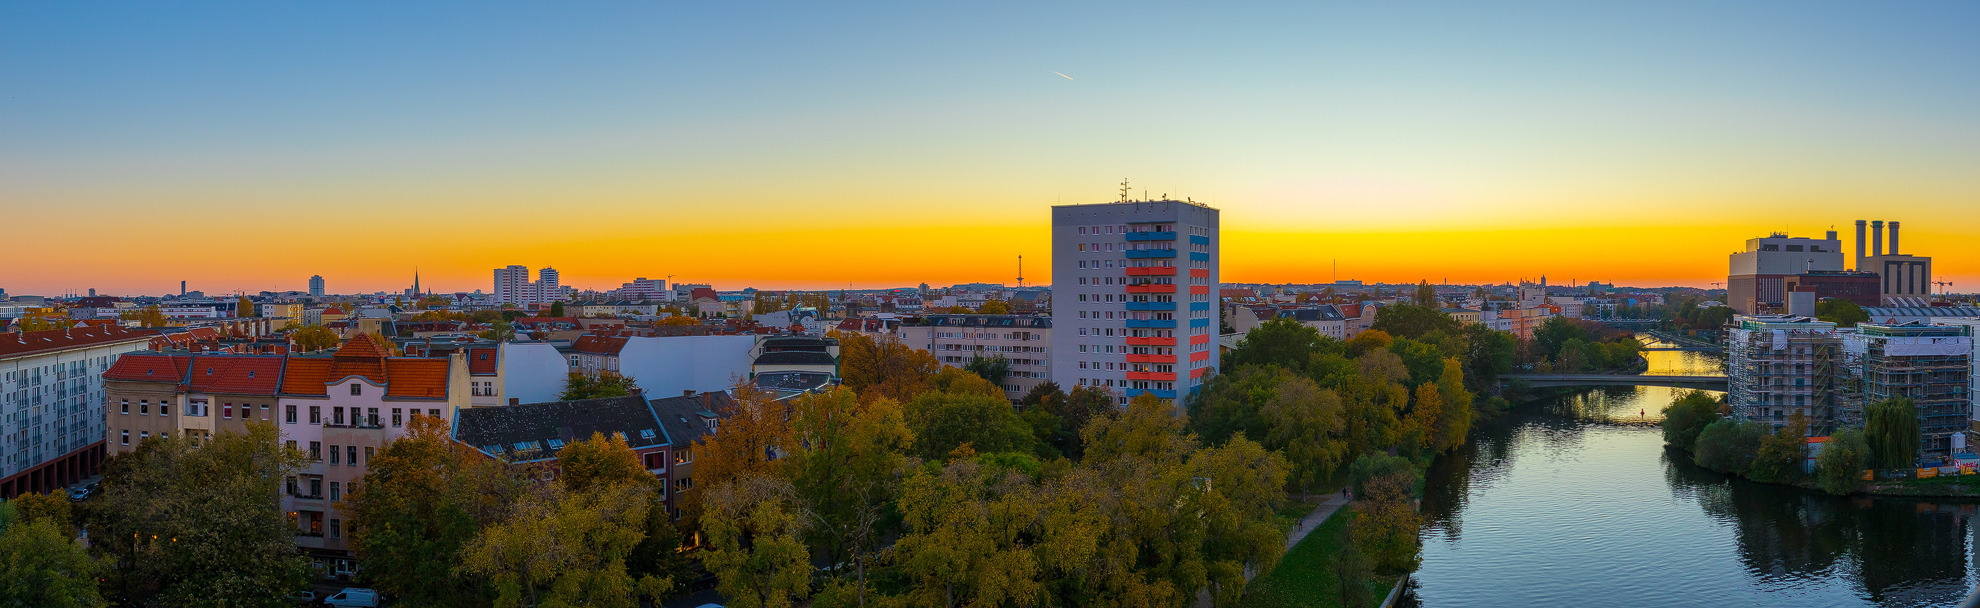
1133 302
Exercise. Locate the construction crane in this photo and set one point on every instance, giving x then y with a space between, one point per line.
1942 287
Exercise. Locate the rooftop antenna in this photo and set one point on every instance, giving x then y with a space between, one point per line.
1020 271
1124 189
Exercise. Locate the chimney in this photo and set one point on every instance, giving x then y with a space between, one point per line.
1894 227
687 393
1859 246
515 401
1876 237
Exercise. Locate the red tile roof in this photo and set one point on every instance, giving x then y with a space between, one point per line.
703 292
33 342
598 345
484 361
358 357
417 377
145 367
306 376
236 374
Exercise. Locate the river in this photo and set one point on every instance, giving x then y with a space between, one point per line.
1577 503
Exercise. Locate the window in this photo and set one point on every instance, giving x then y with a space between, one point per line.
124 407
292 444
316 414
337 525
127 437
435 412
315 451
143 435
316 487
367 455
350 455
164 409
264 411
337 414
292 414
336 492
396 418
144 407
357 389
334 454
371 419
227 410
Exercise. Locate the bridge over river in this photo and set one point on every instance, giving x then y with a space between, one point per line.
1710 383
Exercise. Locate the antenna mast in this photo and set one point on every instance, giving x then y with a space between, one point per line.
1020 271
1124 189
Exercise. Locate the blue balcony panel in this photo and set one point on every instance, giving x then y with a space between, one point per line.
1152 236
1196 256
1156 305
1198 239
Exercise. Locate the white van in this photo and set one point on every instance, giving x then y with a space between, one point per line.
352 597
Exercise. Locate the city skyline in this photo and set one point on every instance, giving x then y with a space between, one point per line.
1467 144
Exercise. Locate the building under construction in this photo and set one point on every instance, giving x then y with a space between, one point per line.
1782 365
1930 364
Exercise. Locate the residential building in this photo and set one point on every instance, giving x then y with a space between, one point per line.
316 285
668 364
531 434
644 289
51 403
512 286
1930 364
1757 279
1134 305
1782 365
1025 340
795 354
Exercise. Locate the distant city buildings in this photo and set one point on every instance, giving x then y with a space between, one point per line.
316 285
1024 340
1133 308
513 286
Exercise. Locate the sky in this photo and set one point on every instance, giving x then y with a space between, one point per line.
249 146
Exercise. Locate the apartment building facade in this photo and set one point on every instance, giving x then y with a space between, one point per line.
51 403
1930 364
1024 340
1781 365
1134 296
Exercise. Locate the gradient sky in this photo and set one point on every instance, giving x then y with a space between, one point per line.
806 146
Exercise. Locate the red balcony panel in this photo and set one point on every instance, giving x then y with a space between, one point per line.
1201 273
1151 341
1163 376
1199 339
1198 372
1155 288
1155 271
1198 289
1203 355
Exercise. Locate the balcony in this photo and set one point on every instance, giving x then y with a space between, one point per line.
1136 392
1152 236
1150 253
1195 256
1153 305
1196 306
1198 239
1158 271
1151 341
1151 323
1152 288
1159 376
1151 358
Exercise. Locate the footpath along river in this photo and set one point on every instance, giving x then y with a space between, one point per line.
1576 502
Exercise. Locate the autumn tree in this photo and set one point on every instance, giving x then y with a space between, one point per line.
1385 525
1302 423
965 543
43 565
943 421
752 428
244 307
884 367
313 338
149 316
1454 421
754 527
844 462
994 307
596 385
422 499
556 547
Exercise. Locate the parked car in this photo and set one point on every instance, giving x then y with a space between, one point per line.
305 598
352 597
79 494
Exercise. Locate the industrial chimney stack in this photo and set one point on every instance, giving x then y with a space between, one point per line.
1860 255
1894 234
1876 237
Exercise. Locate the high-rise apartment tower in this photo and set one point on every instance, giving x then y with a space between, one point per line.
1134 303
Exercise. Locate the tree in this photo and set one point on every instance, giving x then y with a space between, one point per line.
843 463
751 430
1426 295
1454 422
204 524
1729 446
1415 320
1891 429
678 320
1843 313
499 331
579 385
52 506
556 310
244 307
994 307
1385 525
1302 422
149 316
1056 417
1779 458
1232 404
1283 342
1419 430
884 367
423 498
599 462
753 528
993 369
1840 464
562 548
1368 340
433 303
42 565
943 421
1687 416
965 538
313 338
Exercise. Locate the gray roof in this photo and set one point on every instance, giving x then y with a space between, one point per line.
795 357
535 431
683 417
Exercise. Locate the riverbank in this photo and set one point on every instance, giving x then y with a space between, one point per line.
1306 576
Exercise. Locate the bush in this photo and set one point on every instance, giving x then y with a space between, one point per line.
1687 416
1729 447
1779 457
1371 466
1842 460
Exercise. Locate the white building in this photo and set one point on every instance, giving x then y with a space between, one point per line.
512 286
644 288
51 394
1024 340
1134 299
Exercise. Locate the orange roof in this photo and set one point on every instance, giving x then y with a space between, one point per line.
484 361
236 374
333 311
306 376
417 377
598 345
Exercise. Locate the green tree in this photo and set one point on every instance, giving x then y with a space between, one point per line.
1426 295
1302 422
754 529
965 538
1843 313
1729 446
1415 320
561 548
1687 416
313 338
844 464
1842 460
149 316
556 309
1283 342
1780 455
52 506
42 565
943 421
499 331
204 524
423 498
993 369
1892 431
1232 404
579 385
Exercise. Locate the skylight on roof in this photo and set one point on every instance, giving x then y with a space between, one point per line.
646 433
556 444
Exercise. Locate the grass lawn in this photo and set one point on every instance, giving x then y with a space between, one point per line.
1306 576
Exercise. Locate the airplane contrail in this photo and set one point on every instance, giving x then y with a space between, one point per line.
1067 77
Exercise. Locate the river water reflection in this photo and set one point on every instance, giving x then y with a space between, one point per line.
1579 504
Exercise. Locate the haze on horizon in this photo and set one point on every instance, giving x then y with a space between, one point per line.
249 146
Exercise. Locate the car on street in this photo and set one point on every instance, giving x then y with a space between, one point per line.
353 597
